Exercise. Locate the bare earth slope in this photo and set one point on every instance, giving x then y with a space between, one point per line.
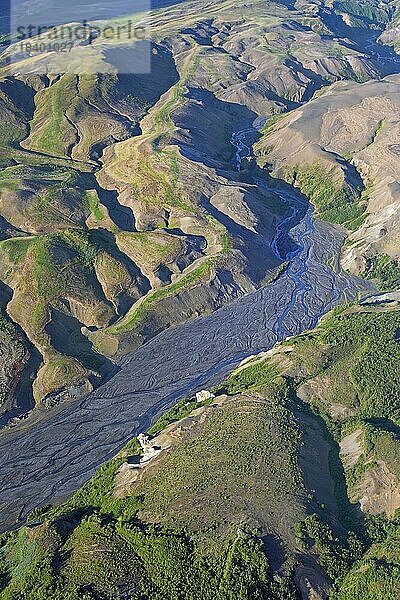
350 133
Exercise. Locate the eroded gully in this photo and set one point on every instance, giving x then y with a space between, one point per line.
51 458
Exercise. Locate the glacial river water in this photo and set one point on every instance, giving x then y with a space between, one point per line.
52 457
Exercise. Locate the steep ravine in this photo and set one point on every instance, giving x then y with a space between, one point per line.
51 458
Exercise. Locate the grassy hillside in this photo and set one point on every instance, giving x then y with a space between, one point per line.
247 492
376 575
97 545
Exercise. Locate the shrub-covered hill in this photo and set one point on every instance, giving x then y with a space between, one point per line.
253 494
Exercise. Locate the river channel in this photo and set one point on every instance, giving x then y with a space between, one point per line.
52 457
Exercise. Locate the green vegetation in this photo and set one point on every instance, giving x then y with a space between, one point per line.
364 12
93 203
12 126
81 242
360 351
27 564
7 329
348 349
172 192
151 541
385 271
221 513
380 528
249 377
115 275
335 556
373 339
97 545
223 232
216 468
182 409
162 118
50 171
16 248
378 129
279 271
376 575
49 197
334 203
13 355
51 132
137 313
150 247
47 279
356 473
59 372
272 122
52 196
87 566
386 447
43 269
